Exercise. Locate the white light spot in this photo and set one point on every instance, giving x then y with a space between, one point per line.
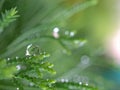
113 45
86 84
80 83
56 29
62 80
55 32
8 59
27 50
72 34
17 89
18 67
16 57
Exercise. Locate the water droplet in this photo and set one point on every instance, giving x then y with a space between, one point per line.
31 84
66 80
80 83
16 57
85 59
17 89
79 43
70 33
18 67
86 84
62 80
32 50
55 32
8 59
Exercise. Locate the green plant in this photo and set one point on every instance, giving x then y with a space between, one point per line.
50 27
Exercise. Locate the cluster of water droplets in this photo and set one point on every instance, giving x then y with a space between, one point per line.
64 80
63 33
56 32
72 84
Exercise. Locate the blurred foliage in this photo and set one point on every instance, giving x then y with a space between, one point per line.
70 30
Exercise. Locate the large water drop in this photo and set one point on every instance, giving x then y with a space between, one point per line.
32 50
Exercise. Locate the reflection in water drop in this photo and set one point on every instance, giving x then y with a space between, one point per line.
86 84
85 59
27 50
55 32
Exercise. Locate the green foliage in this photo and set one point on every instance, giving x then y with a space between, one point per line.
7 17
50 26
70 85
6 71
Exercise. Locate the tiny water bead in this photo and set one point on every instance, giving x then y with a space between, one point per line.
80 83
8 59
55 32
70 33
17 89
63 33
17 57
18 67
31 84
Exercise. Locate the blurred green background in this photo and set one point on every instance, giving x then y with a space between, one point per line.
78 54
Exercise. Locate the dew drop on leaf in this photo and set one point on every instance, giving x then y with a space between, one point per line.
55 32
80 83
18 67
32 50
8 59
86 84
31 84
17 89
16 57
69 33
